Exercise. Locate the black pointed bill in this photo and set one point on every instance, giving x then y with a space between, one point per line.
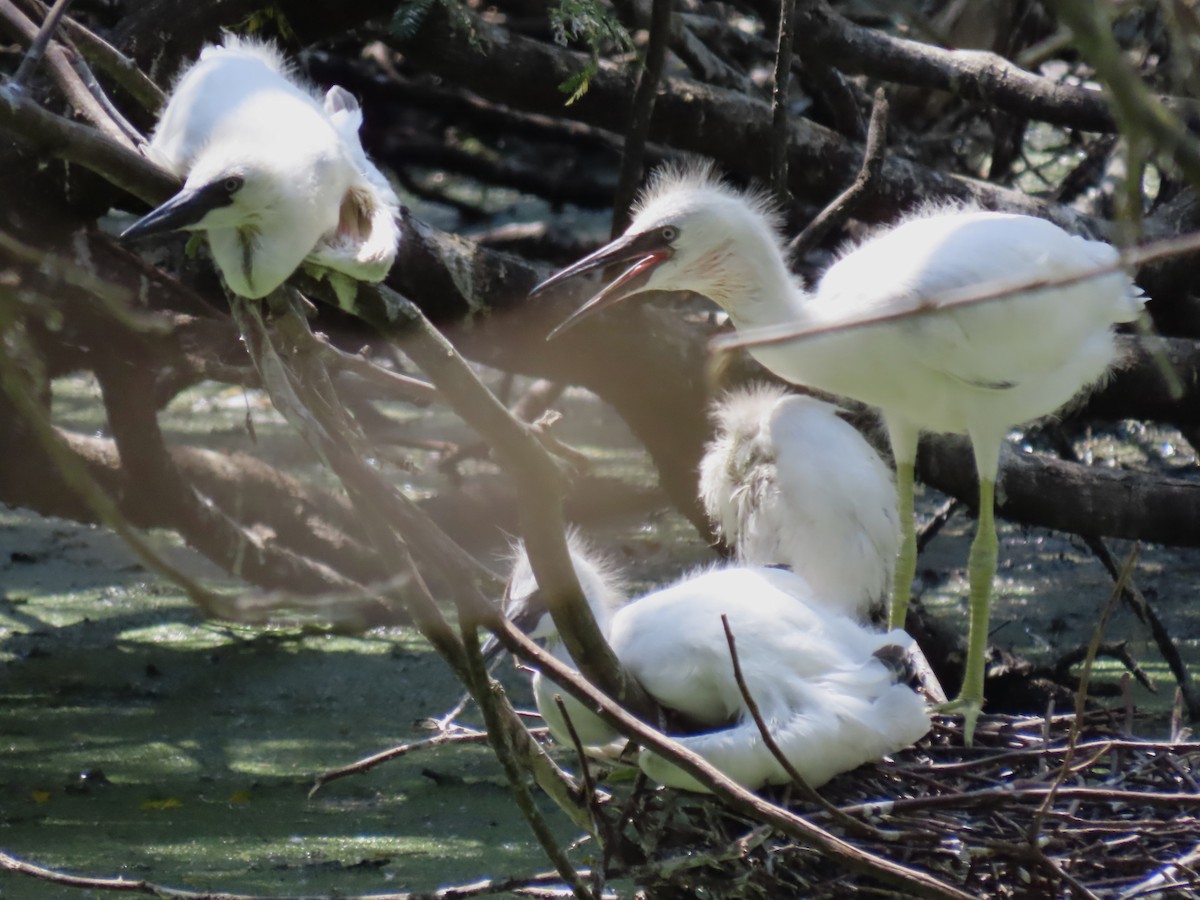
646 251
186 208
525 613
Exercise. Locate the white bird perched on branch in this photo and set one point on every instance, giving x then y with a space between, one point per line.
977 369
826 686
273 174
787 481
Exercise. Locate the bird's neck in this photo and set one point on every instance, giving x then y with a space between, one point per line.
770 295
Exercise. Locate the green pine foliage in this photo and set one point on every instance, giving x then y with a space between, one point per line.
592 23
409 15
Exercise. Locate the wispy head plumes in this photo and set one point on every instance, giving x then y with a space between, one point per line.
699 177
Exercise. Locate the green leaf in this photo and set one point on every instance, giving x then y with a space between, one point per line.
592 23
577 85
269 18
409 15
407 19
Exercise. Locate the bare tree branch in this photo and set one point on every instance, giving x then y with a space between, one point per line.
1135 107
971 74
731 128
123 70
780 79
65 76
848 201
649 76
90 148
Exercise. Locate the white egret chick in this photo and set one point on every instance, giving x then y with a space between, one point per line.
787 481
827 687
273 174
975 370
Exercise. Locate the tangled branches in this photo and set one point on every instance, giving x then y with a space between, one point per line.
349 549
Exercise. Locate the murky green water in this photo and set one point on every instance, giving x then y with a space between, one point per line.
138 740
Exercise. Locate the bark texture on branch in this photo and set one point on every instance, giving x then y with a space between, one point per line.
971 74
1039 490
730 127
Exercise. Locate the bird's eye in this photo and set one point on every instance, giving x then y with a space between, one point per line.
233 184
668 233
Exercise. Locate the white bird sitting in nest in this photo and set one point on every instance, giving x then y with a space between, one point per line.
787 481
976 370
273 174
831 692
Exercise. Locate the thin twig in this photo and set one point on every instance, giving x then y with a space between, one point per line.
1136 600
366 764
589 786
37 46
63 73
88 78
937 522
1118 650
634 149
1141 607
809 793
1000 796
576 459
864 183
9 863
600 828
395 384
780 79
119 67
1081 694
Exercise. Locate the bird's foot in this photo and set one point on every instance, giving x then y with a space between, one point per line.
969 709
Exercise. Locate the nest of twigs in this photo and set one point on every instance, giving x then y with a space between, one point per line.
1022 813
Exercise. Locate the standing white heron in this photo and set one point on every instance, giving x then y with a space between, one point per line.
827 687
274 174
977 369
787 481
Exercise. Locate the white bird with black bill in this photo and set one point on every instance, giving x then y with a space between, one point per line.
274 174
977 370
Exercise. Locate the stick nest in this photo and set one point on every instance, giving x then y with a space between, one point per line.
1021 814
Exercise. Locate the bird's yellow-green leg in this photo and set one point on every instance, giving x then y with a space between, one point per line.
906 562
981 569
903 437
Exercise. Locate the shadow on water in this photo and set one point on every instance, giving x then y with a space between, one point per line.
137 739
